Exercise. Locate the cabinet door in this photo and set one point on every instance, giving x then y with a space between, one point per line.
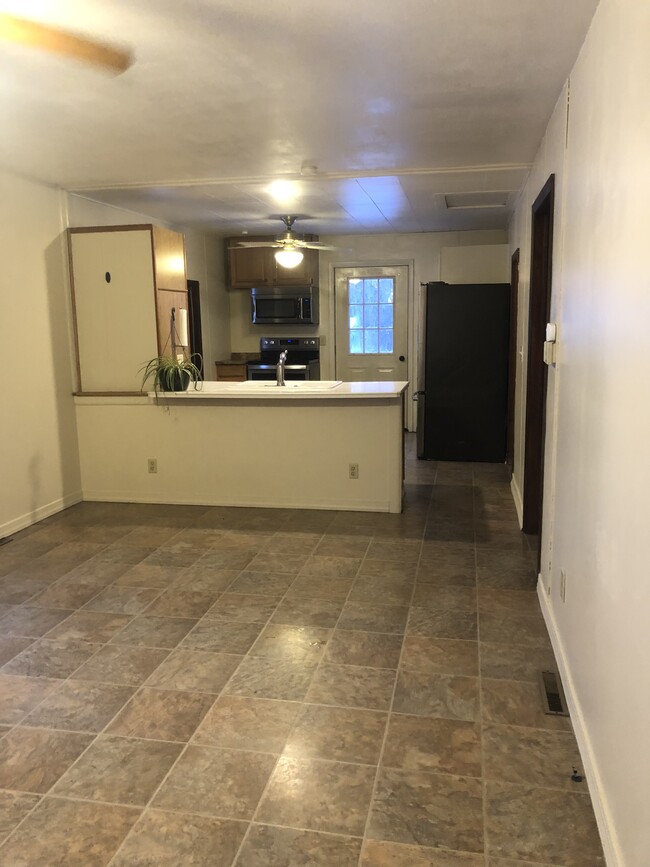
250 267
115 321
169 259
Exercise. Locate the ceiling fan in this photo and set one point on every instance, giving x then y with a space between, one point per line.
288 245
58 41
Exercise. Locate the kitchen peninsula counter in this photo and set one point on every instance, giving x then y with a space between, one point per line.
227 444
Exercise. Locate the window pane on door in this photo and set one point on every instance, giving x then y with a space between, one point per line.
371 315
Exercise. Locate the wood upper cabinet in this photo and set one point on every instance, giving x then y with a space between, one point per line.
124 281
254 267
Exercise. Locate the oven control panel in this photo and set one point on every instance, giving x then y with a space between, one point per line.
280 343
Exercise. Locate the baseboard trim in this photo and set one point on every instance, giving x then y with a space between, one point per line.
29 518
611 848
332 505
519 500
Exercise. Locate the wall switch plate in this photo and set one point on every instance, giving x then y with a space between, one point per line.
563 585
354 471
152 465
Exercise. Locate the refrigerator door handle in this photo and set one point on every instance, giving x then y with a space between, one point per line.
416 394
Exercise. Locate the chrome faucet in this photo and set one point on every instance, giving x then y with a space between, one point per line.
279 368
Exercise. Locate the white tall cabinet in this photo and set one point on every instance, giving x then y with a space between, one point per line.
125 280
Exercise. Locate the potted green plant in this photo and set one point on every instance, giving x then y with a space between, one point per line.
171 373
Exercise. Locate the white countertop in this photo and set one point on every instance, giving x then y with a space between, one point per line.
269 391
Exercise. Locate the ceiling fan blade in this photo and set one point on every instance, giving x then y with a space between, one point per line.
58 41
315 245
241 244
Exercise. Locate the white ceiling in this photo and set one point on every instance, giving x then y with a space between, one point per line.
395 104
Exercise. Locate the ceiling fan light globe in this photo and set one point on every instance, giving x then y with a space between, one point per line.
289 258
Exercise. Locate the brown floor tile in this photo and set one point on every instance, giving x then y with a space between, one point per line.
336 733
435 596
352 686
260 725
319 566
146 575
401 550
455 623
509 627
286 847
263 583
66 595
174 556
173 839
220 782
509 662
510 702
243 608
227 558
384 592
115 663
146 631
542 825
370 649
150 536
386 569
80 706
379 853
76 834
280 641
15 588
343 546
438 695
31 622
334 589
515 601
425 809
440 655
119 770
13 809
285 679
210 579
182 603
51 658
370 617
122 600
416 743
531 757
10 647
120 552
20 695
277 562
194 670
32 760
222 636
90 626
165 715
318 796
304 611
292 543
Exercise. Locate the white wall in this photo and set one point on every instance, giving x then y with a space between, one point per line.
204 261
598 467
39 463
421 251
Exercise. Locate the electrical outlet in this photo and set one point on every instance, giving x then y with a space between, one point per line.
563 585
152 465
354 471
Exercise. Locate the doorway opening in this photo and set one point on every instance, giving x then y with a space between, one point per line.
537 376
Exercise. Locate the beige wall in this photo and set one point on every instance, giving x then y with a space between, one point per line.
205 263
598 465
422 252
39 464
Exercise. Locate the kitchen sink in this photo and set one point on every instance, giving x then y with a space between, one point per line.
309 385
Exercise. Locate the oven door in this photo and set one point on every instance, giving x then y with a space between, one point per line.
267 372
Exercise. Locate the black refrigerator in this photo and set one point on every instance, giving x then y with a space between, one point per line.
463 372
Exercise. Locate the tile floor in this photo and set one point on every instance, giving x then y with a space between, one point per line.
212 686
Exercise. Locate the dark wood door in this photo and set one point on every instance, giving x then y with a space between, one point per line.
194 317
512 361
536 381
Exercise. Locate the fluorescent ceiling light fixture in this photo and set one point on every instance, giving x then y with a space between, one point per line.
290 258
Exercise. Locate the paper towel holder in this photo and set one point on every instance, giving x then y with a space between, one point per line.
178 329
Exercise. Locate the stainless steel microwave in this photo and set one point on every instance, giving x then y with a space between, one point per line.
276 305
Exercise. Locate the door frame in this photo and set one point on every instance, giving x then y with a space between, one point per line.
512 361
539 308
411 331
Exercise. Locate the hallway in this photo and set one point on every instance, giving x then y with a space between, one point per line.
213 686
